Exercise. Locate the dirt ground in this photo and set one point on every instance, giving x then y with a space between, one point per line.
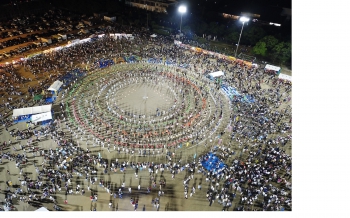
173 199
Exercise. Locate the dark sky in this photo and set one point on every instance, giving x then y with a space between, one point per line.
269 10
217 4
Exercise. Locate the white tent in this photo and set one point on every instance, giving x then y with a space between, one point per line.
216 74
153 35
285 77
41 117
271 67
55 86
31 110
42 209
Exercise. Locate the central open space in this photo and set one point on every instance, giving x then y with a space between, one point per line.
145 98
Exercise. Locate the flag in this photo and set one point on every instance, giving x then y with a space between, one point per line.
187 144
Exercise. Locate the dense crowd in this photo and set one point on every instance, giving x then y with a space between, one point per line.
260 175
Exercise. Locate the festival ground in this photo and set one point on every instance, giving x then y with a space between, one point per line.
173 199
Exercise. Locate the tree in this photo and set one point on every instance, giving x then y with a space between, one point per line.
186 30
253 34
213 28
203 28
286 53
282 52
232 37
260 48
270 41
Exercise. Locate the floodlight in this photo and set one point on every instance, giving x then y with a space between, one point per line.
244 19
182 9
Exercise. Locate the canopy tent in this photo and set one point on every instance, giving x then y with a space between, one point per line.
231 58
42 209
198 50
247 63
55 86
41 117
216 74
119 60
153 35
285 77
31 110
273 68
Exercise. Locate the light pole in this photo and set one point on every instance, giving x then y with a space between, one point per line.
147 21
182 10
243 20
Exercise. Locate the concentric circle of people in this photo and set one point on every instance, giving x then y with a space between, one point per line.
261 129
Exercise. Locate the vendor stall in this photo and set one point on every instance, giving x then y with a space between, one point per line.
230 58
285 77
274 69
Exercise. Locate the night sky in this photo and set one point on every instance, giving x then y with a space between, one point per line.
269 10
214 4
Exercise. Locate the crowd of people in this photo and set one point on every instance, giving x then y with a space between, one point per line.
253 144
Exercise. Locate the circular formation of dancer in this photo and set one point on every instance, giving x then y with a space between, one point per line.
101 106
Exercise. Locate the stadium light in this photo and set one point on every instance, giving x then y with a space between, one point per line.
182 9
243 20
